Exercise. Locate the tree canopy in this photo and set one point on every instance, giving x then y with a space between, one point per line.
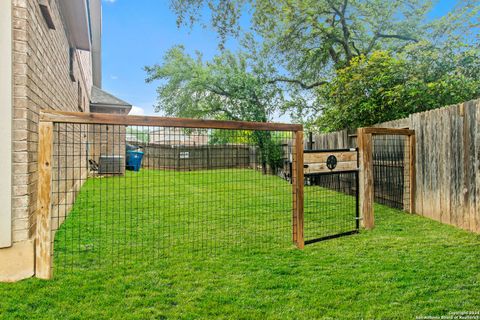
224 88
380 87
301 57
310 37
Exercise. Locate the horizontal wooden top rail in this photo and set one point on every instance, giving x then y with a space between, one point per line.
389 131
118 119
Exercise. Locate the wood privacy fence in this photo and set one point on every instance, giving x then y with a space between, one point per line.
447 162
205 157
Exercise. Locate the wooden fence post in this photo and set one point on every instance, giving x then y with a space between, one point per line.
406 173
297 188
412 157
366 178
43 241
409 173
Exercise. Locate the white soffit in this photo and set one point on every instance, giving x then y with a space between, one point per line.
75 15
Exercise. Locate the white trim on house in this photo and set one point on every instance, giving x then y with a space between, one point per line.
96 28
6 123
76 20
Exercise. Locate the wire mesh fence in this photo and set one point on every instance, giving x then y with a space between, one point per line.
391 170
331 205
123 194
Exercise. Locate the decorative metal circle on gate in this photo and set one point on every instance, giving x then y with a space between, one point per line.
331 162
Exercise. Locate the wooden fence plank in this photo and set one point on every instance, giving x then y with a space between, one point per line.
447 140
458 165
469 136
445 181
435 159
437 174
453 165
343 156
428 200
312 168
477 166
466 166
44 241
99 118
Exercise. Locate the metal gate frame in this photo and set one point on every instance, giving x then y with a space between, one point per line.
298 171
357 203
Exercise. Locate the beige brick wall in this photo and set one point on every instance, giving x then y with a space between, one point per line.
85 63
41 78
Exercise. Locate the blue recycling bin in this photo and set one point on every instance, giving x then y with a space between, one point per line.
134 160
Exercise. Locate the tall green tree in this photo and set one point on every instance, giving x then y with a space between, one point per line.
311 38
381 87
227 87
306 43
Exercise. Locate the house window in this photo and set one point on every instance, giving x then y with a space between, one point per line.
72 63
47 12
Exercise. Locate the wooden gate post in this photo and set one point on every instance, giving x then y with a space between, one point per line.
366 178
297 189
409 173
43 241
412 177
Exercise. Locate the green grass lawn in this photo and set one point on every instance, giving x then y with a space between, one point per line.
229 267
155 214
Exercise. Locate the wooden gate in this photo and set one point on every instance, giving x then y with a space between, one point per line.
330 195
369 141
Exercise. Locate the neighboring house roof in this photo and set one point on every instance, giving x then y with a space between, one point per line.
104 102
100 96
